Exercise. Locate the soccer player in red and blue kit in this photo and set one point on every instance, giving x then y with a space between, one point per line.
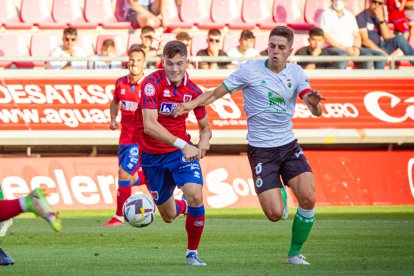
168 158
126 96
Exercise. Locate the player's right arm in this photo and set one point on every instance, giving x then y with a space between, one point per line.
113 110
204 99
157 131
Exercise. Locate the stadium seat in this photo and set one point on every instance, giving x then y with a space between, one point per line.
167 37
354 7
300 41
14 45
198 42
230 40
228 12
174 21
314 8
261 41
9 16
38 13
101 12
133 39
119 44
258 12
198 13
85 42
41 45
289 12
70 12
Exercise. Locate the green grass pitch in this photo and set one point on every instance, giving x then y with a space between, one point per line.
344 241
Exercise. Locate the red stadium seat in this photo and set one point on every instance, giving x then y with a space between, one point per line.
354 7
198 13
85 42
314 8
261 41
119 44
289 12
258 12
300 41
133 39
228 12
13 45
38 13
198 42
9 17
101 12
167 37
70 12
41 45
174 21
230 41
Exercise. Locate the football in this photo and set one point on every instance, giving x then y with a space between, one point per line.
139 210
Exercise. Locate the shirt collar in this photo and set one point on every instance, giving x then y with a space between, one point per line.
184 82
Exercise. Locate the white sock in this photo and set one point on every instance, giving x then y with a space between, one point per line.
22 202
121 218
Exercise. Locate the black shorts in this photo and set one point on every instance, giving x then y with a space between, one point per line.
269 164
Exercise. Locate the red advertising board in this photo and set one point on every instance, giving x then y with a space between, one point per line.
83 104
341 178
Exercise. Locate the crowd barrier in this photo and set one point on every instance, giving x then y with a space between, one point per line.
72 108
341 178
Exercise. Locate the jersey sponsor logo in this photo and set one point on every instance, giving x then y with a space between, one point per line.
149 89
187 98
167 93
130 106
276 103
167 108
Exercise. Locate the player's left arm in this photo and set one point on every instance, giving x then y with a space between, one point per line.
313 102
205 136
154 129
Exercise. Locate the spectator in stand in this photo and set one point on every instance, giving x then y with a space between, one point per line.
315 48
341 33
214 50
151 44
396 16
68 49
245 48
377 37
185 38
141 13
108 50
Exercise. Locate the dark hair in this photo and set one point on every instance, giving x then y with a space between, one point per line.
70 31
214 32
183 36
136 48
283 31
316 32
147 29
172 48
246 34
108 43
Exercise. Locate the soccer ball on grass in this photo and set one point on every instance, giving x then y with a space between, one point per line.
139 210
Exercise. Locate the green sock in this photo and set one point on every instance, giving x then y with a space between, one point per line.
284 196
300 231
1 194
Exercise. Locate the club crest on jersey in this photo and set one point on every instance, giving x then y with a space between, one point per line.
167 108
187 98
289 84
149 89
167 93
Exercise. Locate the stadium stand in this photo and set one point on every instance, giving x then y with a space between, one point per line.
198 42
119 43
230 40
101 12
41 45
314 8
258 12
9 16
198 13
260 42
70 13
85 42
14 45
38 13
174 20
289 12
228 12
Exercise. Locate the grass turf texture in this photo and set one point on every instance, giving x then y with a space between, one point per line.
344 240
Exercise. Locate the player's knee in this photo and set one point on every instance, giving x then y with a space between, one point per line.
274 215
168 218
195 199
308 201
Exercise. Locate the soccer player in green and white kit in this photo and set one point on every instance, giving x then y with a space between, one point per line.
270 89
